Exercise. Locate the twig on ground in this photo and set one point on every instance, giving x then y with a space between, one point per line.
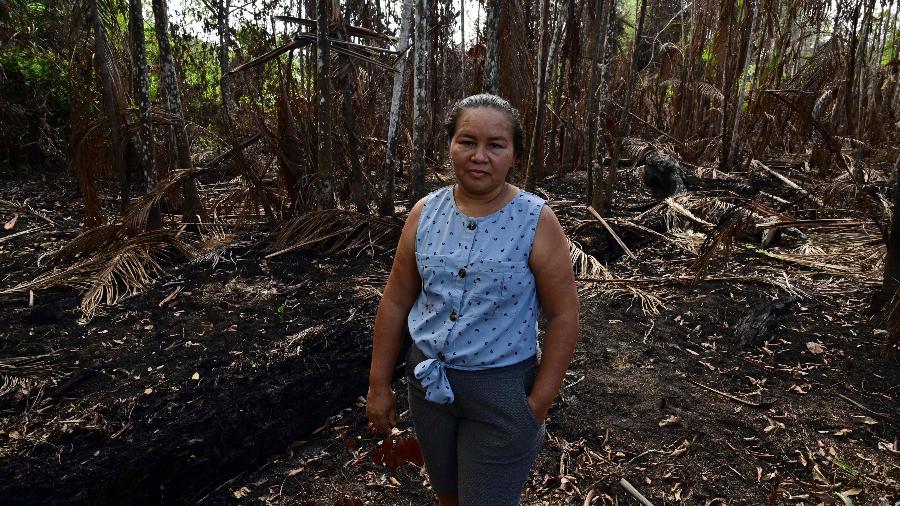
867 410
729 396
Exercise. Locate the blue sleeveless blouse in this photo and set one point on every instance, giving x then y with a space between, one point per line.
478 307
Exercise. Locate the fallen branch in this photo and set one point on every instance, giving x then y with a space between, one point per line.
729 396
634 492
610 230
785 180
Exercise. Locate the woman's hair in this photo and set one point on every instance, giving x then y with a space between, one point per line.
491 102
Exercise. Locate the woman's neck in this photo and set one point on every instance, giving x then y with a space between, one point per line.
477 205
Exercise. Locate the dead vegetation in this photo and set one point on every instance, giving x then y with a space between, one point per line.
726 173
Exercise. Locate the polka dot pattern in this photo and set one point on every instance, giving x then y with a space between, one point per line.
478 306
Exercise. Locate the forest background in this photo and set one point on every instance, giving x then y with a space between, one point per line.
143 147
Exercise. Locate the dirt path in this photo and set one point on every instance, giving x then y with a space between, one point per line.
236 379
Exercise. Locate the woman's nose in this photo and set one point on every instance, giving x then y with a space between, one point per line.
480 154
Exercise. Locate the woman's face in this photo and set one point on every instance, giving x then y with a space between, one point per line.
482 149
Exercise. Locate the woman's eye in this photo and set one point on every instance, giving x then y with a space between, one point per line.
497 145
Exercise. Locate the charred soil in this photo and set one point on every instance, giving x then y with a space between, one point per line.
238 379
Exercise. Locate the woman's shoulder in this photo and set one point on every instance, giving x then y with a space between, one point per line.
529 201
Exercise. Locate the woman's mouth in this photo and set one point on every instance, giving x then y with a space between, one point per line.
477 173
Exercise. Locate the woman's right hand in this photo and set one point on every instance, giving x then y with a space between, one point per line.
381 409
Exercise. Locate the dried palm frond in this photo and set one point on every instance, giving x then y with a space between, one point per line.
88 242
122 268
707 90
722 237
336 231
592 274
24 372
136 216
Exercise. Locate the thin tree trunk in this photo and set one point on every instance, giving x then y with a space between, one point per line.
462 46
492 20
535 171
357 185
113 98
386 207
190 205
144 143
597 196
222 12
732 152
596 59
323 114
626 109
420 103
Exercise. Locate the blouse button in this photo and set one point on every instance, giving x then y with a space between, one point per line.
471 225
461 273
453 316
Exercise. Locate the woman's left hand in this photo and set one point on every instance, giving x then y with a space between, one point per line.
538 410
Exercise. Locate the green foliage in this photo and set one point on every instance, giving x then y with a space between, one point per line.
34 84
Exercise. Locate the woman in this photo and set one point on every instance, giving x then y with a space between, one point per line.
477 263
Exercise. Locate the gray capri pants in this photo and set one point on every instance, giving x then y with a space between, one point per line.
481 446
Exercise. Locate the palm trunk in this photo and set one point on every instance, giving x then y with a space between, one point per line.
144 142
323 113
420 103
492 20
190 205
386 207
732 152
535 171
626 109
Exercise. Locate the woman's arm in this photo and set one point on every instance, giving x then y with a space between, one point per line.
558 294
400 294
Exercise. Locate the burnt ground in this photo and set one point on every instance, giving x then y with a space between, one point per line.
238 380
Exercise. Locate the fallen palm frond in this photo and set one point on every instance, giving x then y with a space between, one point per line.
721 237
23 372
123 267
336 231
596 280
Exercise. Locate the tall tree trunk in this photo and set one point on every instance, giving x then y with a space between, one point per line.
222 12
420 103
345 73
535 171
891 279
596 59
597 196
386 207
732 152
190 205
625 122
323 113
142 98
113 98
492 20
462 46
